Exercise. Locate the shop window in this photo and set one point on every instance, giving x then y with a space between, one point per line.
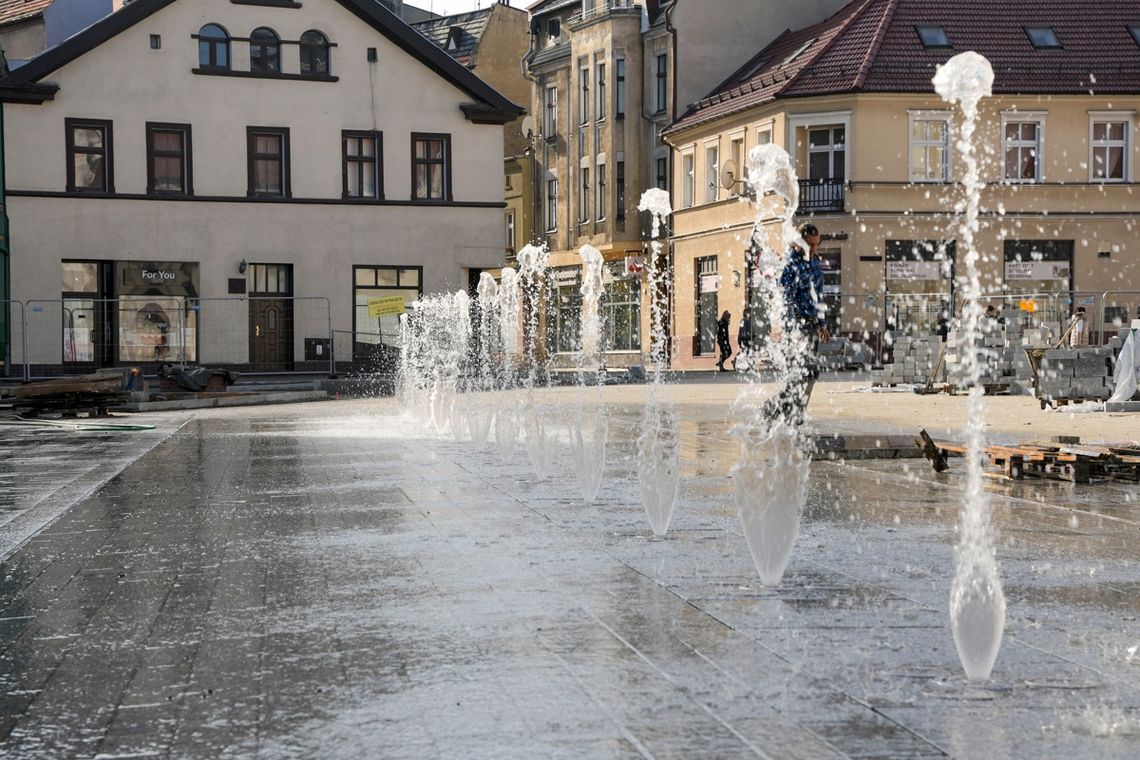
371 334
707 285
213 47
89 156
621 309
564 324
268 149
168 159
431 167
362 164
264 51
314 53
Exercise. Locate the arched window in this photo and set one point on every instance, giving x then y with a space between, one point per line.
213 47
264 51
314 53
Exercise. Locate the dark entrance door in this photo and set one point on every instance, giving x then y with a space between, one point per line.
270 316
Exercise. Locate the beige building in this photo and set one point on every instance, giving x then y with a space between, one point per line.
224 182
492 42
607 77
850 99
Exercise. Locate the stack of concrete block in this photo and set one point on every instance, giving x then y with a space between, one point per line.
913 360
1077 373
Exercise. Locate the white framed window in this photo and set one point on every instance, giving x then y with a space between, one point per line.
1023 140
510 231
688 179
600 194
712 172
737 156
763 135
929 146
1109 147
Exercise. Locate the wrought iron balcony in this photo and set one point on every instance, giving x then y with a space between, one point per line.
821 195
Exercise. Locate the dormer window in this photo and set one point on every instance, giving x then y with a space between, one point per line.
453 39
1042 37
933 37
1134 30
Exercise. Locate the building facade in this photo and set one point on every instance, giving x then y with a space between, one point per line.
608 77
851 101
270 169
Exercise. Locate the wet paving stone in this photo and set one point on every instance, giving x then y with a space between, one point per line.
318 583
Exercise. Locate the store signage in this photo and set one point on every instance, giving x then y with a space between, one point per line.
710 283
634 265
388 306
565 278
1037 270
156 275
914 270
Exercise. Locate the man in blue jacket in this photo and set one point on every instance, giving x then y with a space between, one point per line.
802 282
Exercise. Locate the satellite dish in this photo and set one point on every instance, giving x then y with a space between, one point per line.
526 128
728 177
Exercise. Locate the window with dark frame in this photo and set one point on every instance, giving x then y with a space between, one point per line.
619 179
600 199
268 151
213 47
600 109
583 95
663 173
431 167
363 164
933 36
1042 37
264 51
269 279
369 333
662 81
619 96
168 159
89 156
314 53
584 195
550 126
551 205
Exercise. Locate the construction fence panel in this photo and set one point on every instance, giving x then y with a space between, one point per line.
270 334
13 340
859 317
1118 309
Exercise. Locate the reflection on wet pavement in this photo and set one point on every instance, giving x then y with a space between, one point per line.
318 584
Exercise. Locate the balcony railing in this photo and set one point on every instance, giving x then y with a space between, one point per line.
604 8
821 195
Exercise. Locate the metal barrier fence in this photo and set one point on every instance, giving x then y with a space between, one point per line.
252 333
13 339
1118 309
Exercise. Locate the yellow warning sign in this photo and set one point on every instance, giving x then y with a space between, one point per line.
1028 305
389 306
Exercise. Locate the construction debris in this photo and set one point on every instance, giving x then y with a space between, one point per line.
92 394
1064 459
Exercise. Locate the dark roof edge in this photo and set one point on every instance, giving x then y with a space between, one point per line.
32 93
371 12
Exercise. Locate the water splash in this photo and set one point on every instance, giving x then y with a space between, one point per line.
770 479
977 604
658 445
591 427
533 261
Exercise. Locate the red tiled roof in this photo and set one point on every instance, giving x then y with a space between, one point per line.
18 10
873 46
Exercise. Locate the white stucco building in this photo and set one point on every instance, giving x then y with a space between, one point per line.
181 154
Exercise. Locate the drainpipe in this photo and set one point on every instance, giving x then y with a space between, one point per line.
5 251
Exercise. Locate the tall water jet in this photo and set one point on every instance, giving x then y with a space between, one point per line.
507 308
770 479
461 314
658 445
592 425
532 272
482 414
977 604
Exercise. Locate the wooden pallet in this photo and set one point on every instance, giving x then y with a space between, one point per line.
1071 460
1056 402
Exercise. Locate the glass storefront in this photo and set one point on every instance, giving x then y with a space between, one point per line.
563 328
621 308
919 284
370 334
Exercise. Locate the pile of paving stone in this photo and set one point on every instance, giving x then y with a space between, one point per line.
913 360
1079 373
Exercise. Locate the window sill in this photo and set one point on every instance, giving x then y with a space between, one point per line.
362 198
268 3
431 201
257 75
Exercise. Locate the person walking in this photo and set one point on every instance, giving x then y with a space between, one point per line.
722 340
802 284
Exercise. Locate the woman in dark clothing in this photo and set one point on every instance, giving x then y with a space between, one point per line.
722 340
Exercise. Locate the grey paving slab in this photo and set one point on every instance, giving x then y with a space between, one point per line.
334 581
